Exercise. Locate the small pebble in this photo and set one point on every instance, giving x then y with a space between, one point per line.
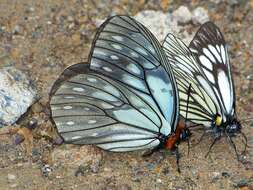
11 178
18 139
16 30
46 170
31 9
33 123
225 174
215 176
70 18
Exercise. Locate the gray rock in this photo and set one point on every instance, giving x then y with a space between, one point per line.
17 92
200 15
182 15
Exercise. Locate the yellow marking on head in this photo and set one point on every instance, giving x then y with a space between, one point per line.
218 120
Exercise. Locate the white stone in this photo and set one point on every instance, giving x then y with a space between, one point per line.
200 15
160 24
182 15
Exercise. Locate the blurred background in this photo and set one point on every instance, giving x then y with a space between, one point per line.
38 39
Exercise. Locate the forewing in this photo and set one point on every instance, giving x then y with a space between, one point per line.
202 100
89 108
127 52
211 51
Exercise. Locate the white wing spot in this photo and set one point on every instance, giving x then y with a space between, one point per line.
134 54
118 38
94 134
107 106
69 97
67 107
76 137
78 89
70 123
95 63
203 59
116 46
133 68
100 52
91 79
92 121
114 57
108 69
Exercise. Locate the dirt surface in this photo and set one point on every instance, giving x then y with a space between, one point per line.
44 37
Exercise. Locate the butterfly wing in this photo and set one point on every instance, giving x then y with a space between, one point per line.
126 51
89 108
202 100
211 51
125 99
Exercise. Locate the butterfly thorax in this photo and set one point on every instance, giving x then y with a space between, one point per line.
231 125
181 133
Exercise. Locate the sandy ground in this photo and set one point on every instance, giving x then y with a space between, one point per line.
45 36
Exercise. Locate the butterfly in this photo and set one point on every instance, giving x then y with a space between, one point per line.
205 66
125 98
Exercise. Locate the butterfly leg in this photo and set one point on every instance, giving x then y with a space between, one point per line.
233 145
177 158
211 146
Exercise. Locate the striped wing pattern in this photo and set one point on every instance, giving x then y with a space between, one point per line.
126 51
204 65
202 106
210 49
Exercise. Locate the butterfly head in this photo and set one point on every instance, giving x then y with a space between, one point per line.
233 127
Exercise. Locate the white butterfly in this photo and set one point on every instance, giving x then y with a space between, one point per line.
205 66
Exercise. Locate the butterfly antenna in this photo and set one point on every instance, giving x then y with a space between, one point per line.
186 113
211 146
